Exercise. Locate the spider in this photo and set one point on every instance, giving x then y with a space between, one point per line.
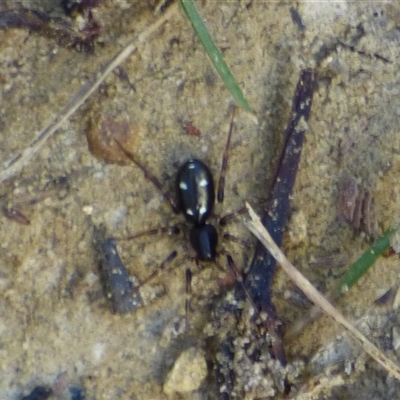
195 199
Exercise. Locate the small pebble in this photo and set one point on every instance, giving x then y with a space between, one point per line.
188 372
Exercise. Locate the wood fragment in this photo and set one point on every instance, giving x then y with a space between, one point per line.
262 267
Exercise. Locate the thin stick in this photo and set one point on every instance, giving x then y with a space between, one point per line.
353 274
256 227
19 161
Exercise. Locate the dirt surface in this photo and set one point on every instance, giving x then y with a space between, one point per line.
56 328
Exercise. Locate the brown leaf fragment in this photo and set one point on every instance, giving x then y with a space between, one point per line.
103 135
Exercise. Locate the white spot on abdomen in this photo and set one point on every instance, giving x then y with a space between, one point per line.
183 185
203 182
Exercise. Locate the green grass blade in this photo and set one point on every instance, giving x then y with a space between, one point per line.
213 52
363 263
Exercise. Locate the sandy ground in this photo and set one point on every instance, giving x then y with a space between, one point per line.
54 318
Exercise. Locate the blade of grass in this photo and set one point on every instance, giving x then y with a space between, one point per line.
363 263
342 286
213 52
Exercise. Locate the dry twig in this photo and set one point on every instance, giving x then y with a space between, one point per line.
256 227
19 161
